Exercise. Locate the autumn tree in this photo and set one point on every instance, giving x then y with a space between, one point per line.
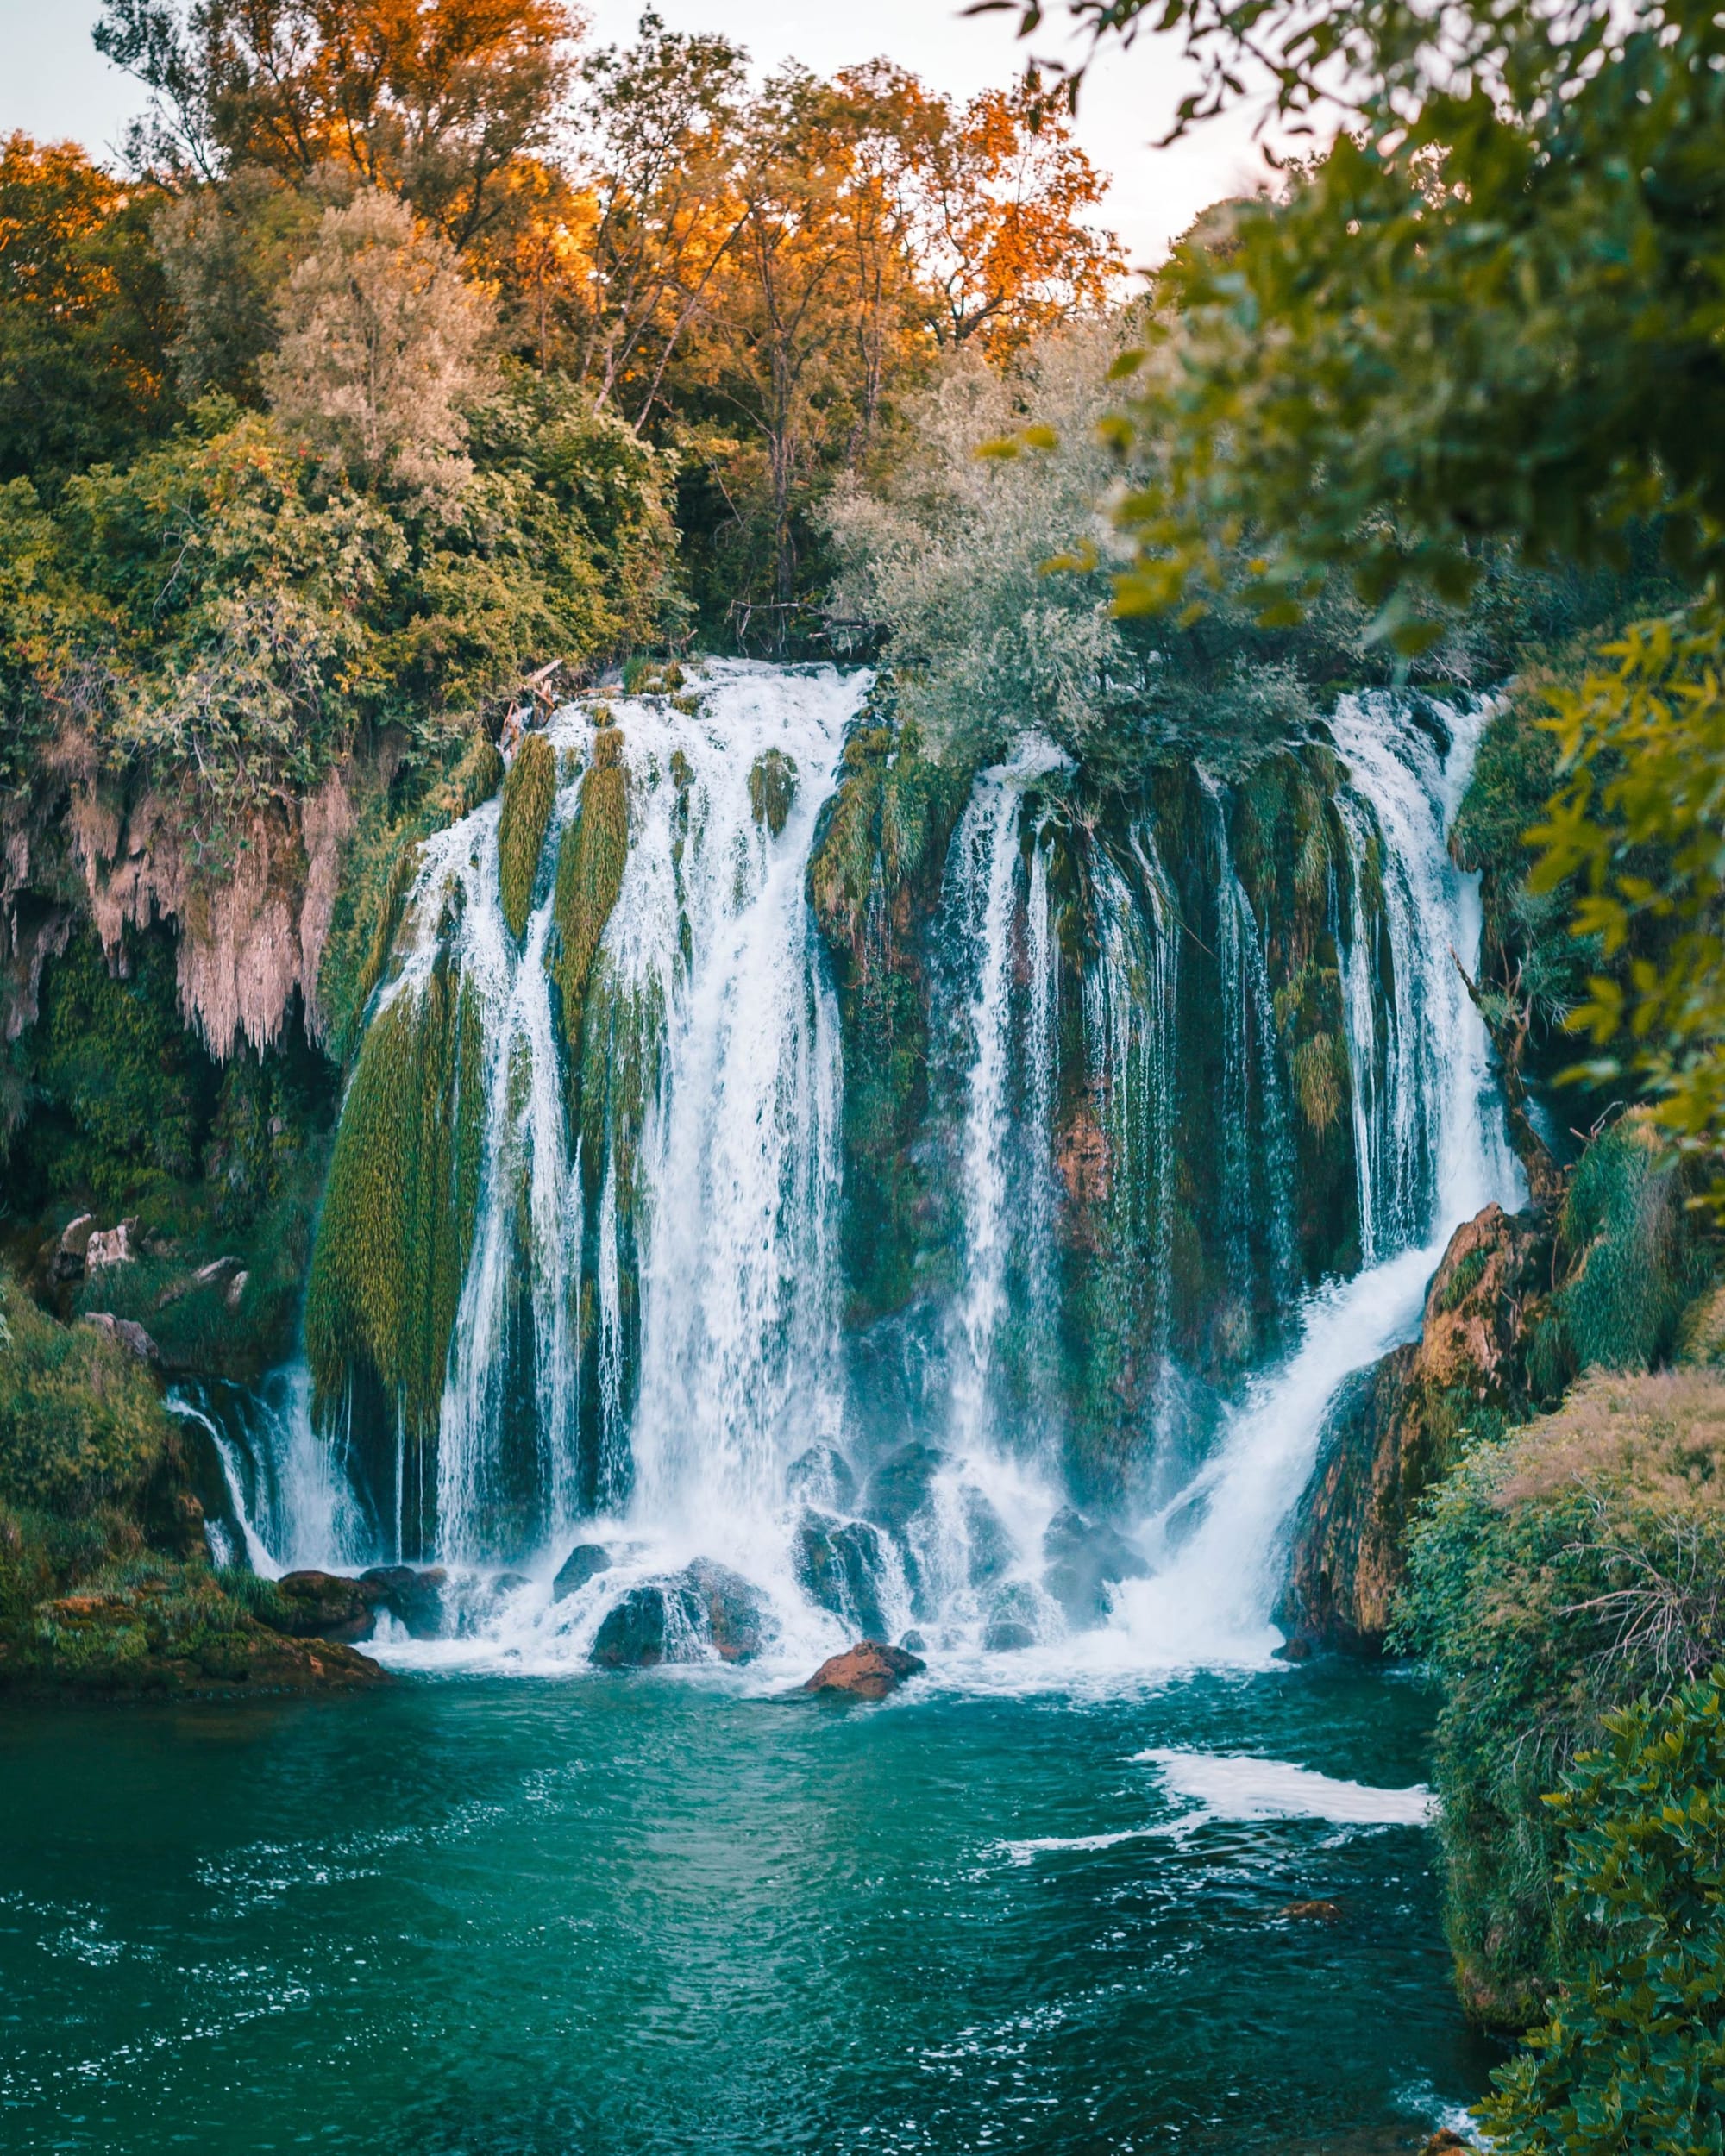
84 315
436 102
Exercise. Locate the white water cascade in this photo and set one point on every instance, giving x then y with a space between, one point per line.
1436 1154
655 1287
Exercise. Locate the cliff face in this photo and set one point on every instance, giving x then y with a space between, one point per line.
1396 1427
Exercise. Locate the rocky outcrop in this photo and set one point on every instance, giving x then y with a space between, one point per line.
706 1606
1083 1558
413 1595
324 1606
584 1563
841 1565
250 938
868 1671
1396 1427
157 1637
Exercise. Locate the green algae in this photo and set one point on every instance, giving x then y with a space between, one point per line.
399 1212
529 791
772 789
590 862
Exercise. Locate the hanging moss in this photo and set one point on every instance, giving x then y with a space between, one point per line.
397 1222
590 865
528 793
772 789
1321 1081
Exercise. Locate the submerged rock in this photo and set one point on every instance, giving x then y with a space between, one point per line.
990 1548
1311 1913
868 1671
412 1596
584 1563
1082 1559
1013 1620
325 1606
840 1566
655 1622
822 1477
737 1620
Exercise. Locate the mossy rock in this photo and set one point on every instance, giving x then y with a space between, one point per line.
529 792
590 862
771 789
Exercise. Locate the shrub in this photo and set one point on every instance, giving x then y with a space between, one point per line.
1550 1578
1632 2062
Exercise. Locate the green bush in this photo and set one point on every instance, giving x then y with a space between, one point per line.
1632 2061
1552 1577
80 1422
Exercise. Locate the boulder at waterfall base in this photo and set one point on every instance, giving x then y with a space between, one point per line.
868 1670
584 1563
903 1486
653 1623
1083 1558
324 1606
736 1621
840 1565
413 1595
822 1475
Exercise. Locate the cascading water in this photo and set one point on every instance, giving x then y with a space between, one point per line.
647 1355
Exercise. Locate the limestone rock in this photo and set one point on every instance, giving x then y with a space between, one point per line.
822 1477
67 1263
1393 1429
653 1623
326 1606
111 1246
1012 1622
584 1563
130 1335
902 1486
737 1621
1082 1559
840 1566
413 1595
868 1671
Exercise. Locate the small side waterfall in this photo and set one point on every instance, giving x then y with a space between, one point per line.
637 1109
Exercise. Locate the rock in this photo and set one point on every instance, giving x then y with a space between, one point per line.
1393 1429
138 1642
110 1246
413 1596
584 1563
913 1643
236 1289
991 1548
902 1486
1082 1558
130 1335
737 1621
839 1566
1311 1913
67 1263
1442 2142
653 1623
822 1477
1295 1649
325 1606
868 1671
1013 1621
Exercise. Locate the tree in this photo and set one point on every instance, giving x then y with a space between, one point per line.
378 348
435 102
84 319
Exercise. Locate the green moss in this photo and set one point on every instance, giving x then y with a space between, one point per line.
81 1424
529 791
397 1223
1321 1081
590 868
772 789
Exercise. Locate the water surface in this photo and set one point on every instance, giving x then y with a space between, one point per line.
635 1915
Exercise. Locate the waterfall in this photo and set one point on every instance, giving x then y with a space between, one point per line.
648 1353
1438 1153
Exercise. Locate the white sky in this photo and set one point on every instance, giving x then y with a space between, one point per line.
53 84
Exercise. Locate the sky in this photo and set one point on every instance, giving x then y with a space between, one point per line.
54 85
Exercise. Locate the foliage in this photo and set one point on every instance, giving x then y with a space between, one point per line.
1632 2061
377 348
118 1094
83 321
1635 823
80 1422
1552 1577
529 791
